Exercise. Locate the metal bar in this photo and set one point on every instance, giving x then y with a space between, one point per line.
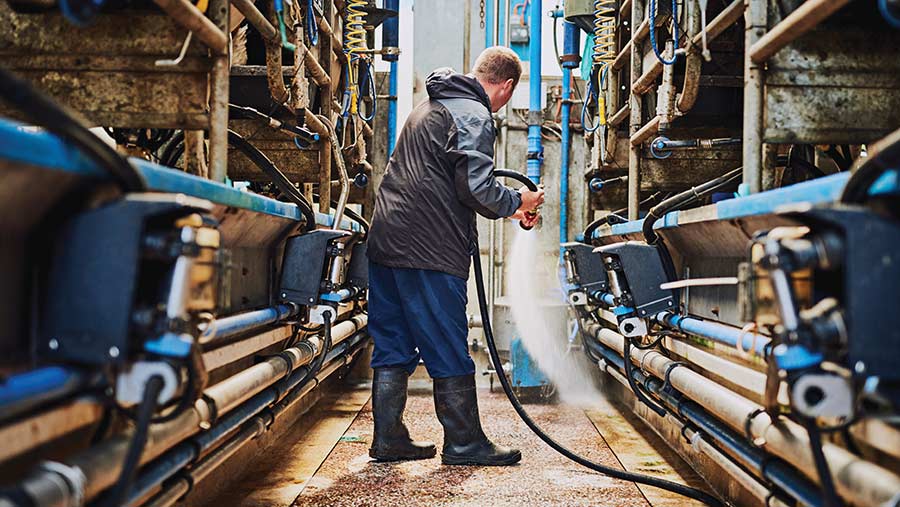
219 82
642 135
755 21
798 23
218 119
635 114
257 19
190 17
325 27
619 117
622 57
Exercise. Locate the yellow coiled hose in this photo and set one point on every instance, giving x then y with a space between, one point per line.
604 49
355 48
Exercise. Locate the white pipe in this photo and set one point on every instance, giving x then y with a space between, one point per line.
860 482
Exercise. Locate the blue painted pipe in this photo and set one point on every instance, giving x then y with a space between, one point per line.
571 42
338 296
390 37
715 331
243 322
535 149
773 469
722 333
22 392
778 472
392 109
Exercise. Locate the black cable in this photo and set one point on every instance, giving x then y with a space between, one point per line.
172 152
615 473
857 189
119 491
521 178
278 178
593 226
46 113
829 494
678 200
636 389
326 347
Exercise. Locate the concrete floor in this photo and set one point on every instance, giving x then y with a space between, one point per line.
328 463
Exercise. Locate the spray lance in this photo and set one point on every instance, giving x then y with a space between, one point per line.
615 473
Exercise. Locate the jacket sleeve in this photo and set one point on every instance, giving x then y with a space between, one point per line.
476 187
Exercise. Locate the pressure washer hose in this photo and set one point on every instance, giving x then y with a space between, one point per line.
615 473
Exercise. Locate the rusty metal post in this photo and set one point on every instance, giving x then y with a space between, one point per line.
755 19
212 33
326 95
195 153
218 100
636 117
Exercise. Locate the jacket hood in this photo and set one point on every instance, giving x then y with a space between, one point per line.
445 83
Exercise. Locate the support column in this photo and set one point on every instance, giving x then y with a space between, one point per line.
636 118
755 19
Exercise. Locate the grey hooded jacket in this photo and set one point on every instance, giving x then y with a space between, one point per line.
439 176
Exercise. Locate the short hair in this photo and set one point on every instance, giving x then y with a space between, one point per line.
496 64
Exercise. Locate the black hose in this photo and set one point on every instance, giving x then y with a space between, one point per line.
119 491
830 497
615 473
46 113
326 347
593 226
635 388
521 178
278 178
679 200
857 189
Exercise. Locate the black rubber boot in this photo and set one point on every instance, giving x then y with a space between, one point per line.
391 441
464 441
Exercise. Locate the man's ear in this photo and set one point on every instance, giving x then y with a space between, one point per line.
509 84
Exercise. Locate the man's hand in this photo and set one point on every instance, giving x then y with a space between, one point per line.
531 200
528 218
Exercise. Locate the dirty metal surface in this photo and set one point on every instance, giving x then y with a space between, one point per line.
349 478
834 86
106 71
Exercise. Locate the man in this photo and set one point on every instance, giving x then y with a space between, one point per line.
422 235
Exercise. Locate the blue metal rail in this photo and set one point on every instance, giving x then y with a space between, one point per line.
44 150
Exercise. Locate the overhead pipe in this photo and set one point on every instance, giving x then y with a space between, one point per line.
570 60
100 466
390 38
858 481
535 154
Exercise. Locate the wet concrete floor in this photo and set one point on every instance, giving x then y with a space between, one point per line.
328 464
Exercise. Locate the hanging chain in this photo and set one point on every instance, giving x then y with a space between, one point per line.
481 14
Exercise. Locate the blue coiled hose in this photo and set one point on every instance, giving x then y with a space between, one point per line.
659 56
